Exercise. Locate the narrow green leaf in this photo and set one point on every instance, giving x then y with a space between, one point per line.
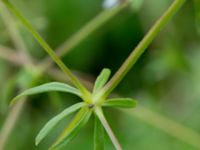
102 79
98 135
53 86
99 113
73 128
120 102
54 121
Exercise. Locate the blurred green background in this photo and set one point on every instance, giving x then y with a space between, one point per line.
166 79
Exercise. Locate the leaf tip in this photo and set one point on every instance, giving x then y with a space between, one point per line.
37 141
101 79
107 70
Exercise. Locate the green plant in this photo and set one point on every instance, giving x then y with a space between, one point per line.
92 104
28 77
95 100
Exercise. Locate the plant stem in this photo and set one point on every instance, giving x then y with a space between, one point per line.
139 50
98 135
155 119
12 56
105 124
47 48
15 34
93 25
60 76
85 31
10 123
166 125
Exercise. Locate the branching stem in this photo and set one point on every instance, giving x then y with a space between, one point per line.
89 28
47 48
139 50
84 32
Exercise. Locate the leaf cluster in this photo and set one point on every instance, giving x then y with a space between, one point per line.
84 110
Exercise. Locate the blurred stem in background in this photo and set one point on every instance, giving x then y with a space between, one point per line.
93 25
20 46
15 34
154 119
85 31
142 46
197 14
48 49
166 125
17 58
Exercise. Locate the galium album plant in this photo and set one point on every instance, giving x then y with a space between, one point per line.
96 100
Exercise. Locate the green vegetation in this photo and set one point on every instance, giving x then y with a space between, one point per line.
150 79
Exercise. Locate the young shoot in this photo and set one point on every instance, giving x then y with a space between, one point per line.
93 102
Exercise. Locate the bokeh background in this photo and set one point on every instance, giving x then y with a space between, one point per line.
165 80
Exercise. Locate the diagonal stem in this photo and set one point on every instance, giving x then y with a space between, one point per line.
93 25
85 31
10 123
105 124
140 49
14 33
47 48
166 125
12 56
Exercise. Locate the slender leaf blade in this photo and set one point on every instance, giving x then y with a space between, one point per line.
101 79
54 121
73 128
99 113
120 102
47 87
98 135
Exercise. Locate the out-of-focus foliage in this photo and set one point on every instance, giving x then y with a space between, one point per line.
166 79
197 14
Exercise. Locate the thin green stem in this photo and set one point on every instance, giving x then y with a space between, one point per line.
155 119
139 50
93 25
48 49
85 31
98 135
105 124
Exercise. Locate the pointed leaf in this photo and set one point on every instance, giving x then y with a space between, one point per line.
54 121
120 102
47 87
101 79
73 128
98 135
